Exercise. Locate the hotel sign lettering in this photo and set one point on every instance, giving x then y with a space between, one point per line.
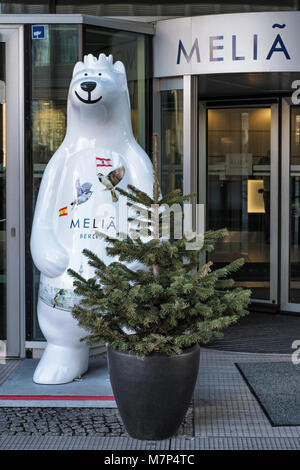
247 42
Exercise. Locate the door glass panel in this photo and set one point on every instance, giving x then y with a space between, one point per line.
171 140
238 198
294 281
2 195
53 59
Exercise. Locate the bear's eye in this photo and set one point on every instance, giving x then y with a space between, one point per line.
99 73
86 74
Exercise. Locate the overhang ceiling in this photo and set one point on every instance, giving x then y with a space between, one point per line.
246 84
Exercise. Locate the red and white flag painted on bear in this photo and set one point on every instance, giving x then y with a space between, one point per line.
103 162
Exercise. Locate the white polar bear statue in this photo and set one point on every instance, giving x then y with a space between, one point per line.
77 197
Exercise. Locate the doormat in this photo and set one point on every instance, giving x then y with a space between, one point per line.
276 386
93 389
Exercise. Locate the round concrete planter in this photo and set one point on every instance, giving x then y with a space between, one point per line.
153 394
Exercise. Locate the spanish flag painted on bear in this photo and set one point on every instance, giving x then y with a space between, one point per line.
63 211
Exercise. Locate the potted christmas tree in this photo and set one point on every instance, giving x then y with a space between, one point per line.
154 318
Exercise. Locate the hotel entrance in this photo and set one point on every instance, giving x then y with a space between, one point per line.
228 90
252 189
242 157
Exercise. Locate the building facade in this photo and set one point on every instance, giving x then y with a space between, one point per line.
220 90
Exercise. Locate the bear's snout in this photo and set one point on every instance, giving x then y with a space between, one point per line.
88 86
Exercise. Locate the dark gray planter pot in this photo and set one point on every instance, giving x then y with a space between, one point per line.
153 394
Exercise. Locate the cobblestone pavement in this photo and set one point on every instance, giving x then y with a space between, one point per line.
70 422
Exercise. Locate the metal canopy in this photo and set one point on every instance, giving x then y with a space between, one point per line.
106 22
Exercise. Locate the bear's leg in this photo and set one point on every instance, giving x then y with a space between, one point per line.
65 357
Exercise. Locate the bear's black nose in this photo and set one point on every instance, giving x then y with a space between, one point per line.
88 86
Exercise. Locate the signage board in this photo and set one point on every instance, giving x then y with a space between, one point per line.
230 43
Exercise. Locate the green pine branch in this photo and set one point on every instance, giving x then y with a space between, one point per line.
171 301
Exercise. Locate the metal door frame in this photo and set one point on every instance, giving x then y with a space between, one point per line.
12 35
286 305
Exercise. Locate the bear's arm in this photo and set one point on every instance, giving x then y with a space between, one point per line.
49 256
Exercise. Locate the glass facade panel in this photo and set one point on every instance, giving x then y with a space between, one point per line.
294 288
238 191
38 6
130 48
171 140
169 8
53 60
2 195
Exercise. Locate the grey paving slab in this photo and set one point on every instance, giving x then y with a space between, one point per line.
80 443
7 366
95 382
127 443
235 443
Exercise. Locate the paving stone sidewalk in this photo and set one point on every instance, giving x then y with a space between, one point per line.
224 415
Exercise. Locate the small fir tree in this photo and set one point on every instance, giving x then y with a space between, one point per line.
171 302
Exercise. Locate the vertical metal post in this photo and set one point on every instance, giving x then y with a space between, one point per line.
285 206
141 82
14 191
190 137
52 6
274 206
22 311
156 113
202 156
80 41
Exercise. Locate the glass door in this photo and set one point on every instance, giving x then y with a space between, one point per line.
290 210
242 160
11 307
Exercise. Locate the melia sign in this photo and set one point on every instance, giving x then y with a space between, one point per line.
247 42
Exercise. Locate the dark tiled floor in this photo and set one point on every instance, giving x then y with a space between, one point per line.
260 333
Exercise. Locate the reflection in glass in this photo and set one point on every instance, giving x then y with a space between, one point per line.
294 291
53 59
238 197
171 140
129 48
29 6
2 195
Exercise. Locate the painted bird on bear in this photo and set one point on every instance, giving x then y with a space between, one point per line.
111 180
83 193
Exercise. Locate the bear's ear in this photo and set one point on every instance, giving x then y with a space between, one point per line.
78 67
119 67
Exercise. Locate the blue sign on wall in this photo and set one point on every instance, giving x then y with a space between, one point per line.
38 32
